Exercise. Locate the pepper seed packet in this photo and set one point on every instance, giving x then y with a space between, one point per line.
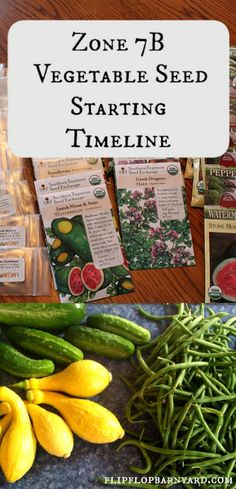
84 246
152 210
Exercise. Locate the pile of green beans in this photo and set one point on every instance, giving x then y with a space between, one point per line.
183 404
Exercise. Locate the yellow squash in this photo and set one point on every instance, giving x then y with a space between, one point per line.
85 378
5 408
51 431
4 424
87 419
18 447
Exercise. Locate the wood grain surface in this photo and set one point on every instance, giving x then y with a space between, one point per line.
166 285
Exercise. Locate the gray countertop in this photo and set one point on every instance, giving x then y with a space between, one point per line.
88 461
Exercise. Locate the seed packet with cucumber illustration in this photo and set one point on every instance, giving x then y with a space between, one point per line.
220 258
84 247
46 168
152 210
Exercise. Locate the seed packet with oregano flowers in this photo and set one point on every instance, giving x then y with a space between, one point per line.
153 216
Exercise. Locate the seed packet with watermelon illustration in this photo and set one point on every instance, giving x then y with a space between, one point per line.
84 247
46 168
152 210
220 259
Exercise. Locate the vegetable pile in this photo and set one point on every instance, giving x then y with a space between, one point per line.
183 405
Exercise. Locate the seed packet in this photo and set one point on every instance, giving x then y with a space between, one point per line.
152 210
9 161
189 168
232 112
232 137
220 258
232 63
3 92
21 232
9 177
17 199
3 70
84 247
46 168
198 184
24 272
220 186
67 182
228 159
3 120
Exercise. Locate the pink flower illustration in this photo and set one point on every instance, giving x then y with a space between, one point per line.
157 248
136 194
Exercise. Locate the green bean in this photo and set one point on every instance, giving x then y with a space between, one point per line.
208 344
211 355
142 362
219 425
229 472
151 316
184 453
206 400
208 382
147 459
172 368
179 423
208 463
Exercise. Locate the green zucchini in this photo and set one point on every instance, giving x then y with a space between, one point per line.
121 326
15 363
44 344
42 315
95 341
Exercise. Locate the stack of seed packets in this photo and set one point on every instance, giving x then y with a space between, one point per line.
153 215
24 266
83 243
220 212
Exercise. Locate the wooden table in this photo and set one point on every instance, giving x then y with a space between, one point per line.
165 285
